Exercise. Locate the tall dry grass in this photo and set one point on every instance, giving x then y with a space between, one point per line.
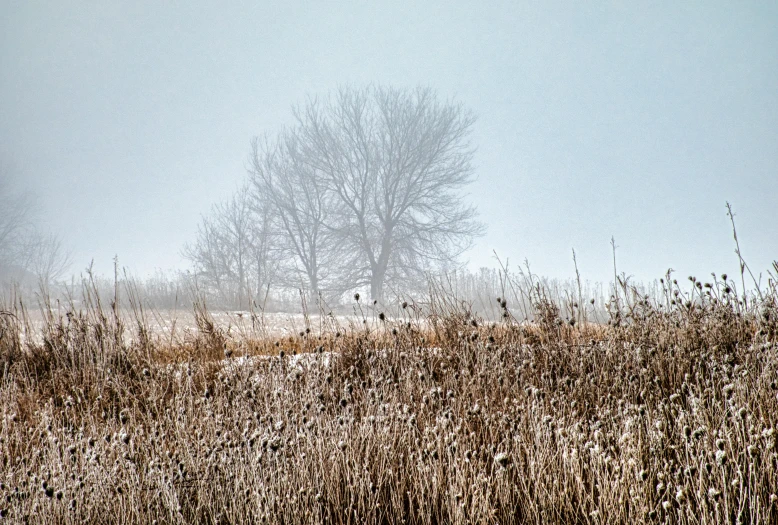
667 413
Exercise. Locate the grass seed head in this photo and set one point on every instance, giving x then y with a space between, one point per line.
502 459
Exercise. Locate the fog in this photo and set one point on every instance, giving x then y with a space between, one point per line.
128 121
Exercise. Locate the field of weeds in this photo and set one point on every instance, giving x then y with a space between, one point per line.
666 414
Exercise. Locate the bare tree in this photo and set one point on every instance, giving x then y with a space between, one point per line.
16 214
397 160
234 224
230 252
208 256
303 214
262 244
45 256
25 249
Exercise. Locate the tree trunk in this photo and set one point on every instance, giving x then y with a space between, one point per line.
314 284
376 287
378 271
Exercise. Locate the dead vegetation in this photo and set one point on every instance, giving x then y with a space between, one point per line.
666 414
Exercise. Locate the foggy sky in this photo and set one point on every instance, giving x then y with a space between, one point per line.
628 119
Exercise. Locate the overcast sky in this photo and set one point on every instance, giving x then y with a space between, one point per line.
636 120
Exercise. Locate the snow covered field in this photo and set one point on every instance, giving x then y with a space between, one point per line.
174 325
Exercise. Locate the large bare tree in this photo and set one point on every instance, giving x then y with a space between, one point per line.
397 160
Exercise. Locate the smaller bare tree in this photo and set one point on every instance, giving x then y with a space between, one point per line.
45 256
207 255
26 250
231 251
16 219
303 212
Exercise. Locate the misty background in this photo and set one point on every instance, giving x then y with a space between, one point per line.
127 122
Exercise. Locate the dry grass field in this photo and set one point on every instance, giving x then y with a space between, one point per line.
666 414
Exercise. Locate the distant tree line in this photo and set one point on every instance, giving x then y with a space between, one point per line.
363 192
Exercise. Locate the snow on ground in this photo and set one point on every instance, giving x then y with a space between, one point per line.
178 324
253 369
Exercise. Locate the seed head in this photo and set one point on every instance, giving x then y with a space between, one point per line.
502 459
